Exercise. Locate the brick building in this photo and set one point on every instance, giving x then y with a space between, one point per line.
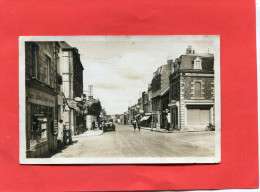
72 74
41 61
191 91
159 84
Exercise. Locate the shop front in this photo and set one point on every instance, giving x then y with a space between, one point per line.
146 120
198 115
174 115
156 120
41 123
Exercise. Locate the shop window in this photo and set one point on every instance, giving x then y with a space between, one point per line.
197 89
39 130
35 61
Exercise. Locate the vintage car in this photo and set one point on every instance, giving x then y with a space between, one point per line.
109 126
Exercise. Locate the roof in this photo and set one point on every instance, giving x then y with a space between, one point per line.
200 54
64 44
207 60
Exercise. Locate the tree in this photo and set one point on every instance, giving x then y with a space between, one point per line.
92 107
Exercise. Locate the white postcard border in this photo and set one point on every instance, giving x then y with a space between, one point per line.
138 160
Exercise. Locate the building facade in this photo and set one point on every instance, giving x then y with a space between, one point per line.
41 60
145 102
159 84
72 74
191 94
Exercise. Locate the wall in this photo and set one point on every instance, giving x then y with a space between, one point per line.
174 92
44 48
207 87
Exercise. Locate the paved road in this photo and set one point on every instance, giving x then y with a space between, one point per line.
125 142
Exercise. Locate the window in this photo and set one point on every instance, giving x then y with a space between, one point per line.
39 131
197 89
197 63
35 61
47 69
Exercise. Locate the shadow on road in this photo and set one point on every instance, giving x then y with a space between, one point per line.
59 149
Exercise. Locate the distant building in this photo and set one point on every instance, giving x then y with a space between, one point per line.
72 74
191 91
145 102
149 93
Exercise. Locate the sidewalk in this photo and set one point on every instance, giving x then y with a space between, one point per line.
89 133
157 130
154 129
174 131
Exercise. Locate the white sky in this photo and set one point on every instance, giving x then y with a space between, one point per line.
120 68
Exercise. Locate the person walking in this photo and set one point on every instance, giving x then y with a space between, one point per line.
134 124
139 124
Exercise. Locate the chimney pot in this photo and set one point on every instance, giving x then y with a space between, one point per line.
169 61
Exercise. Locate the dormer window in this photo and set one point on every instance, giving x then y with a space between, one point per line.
197 63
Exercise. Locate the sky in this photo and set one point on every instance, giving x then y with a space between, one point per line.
120 67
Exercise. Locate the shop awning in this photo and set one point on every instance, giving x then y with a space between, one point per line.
145 118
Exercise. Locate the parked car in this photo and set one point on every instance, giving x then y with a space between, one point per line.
109 126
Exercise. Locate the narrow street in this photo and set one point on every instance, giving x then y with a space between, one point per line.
125 142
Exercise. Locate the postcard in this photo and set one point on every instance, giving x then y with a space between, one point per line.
119 99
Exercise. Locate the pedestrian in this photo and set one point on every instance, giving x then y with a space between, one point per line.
93 124
134 124
60 132
139 124
166 123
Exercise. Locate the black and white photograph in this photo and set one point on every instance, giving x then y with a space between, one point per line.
119 99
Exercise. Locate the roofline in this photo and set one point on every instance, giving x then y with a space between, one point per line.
74 50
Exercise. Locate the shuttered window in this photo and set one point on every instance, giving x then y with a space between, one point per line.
197 89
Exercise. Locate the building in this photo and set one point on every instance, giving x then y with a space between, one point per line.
149 99
72 74
145 103
191 91
42 97
140 106
159 85
164 108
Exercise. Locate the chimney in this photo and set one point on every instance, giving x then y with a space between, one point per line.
189 49
90 92
169 61
170 64
90 98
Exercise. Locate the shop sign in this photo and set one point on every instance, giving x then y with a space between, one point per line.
33 144
60 100
73 104
38 115
38 97
55 125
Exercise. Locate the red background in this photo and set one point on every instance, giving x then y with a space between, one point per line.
233 20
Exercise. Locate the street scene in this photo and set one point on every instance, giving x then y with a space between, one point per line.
118 97
125 142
